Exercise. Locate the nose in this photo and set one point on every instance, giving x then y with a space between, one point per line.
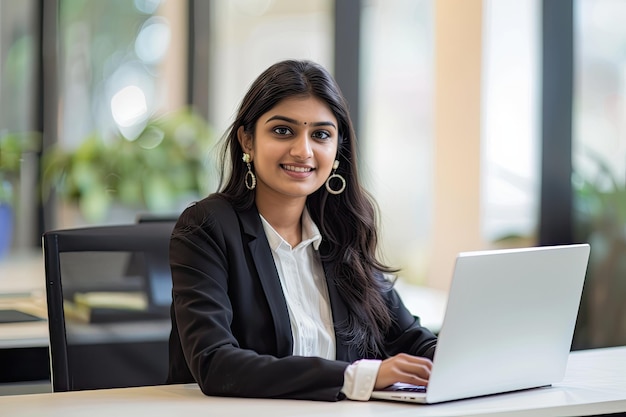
301 148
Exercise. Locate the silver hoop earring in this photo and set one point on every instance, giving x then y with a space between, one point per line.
334 175
250 179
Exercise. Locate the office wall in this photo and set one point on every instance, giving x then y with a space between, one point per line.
457 106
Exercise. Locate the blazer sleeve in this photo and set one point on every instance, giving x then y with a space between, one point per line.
210 274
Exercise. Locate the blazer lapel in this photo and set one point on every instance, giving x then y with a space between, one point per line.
339 311
266 269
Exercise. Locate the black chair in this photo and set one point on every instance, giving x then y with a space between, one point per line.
108 292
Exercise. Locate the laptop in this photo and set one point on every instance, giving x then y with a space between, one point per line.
508 324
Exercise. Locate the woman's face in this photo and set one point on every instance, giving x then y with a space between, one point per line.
293 149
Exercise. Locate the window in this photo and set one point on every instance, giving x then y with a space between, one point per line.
599 164
396 132
122 64
510 122
18 145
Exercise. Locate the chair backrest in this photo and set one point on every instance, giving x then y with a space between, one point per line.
108 291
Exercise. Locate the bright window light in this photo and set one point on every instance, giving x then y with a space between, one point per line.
129 106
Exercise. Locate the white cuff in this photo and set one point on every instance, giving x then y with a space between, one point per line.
359 379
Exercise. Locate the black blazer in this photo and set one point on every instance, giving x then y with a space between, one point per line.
230 324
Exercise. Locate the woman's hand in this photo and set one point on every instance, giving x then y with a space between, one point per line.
403 368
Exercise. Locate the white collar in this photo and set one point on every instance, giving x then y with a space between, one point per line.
310 233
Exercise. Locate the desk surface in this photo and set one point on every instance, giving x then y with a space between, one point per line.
25 334
595 384
22 288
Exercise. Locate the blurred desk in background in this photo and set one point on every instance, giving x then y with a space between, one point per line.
24 357
428 304
22 274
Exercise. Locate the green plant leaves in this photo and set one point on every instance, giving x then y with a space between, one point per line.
165 163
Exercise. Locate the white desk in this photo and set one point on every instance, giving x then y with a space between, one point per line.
595 384
25 334
22 288
427 303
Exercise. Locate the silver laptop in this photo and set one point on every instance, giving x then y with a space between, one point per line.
508 325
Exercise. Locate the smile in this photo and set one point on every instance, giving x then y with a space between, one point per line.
296 169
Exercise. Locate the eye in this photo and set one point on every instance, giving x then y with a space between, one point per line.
321 135
282 131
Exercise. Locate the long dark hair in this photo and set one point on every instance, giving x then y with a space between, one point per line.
347 222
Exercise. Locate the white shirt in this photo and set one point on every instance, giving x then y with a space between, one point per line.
304 286
306 293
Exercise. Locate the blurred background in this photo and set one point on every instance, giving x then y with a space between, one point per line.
481 123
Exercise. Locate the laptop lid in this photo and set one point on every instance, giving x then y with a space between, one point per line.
509 321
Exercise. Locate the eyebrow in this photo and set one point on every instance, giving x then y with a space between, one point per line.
296 122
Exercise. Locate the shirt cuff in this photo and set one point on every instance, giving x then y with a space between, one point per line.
359 379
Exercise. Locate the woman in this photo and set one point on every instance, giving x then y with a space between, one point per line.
277 291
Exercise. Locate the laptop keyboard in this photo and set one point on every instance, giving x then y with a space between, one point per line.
406 388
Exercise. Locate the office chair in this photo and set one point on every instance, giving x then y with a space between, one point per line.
108 291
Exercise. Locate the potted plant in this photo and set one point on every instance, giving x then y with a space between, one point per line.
12 147
600 219
165 165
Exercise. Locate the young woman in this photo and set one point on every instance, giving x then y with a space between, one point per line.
277 291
